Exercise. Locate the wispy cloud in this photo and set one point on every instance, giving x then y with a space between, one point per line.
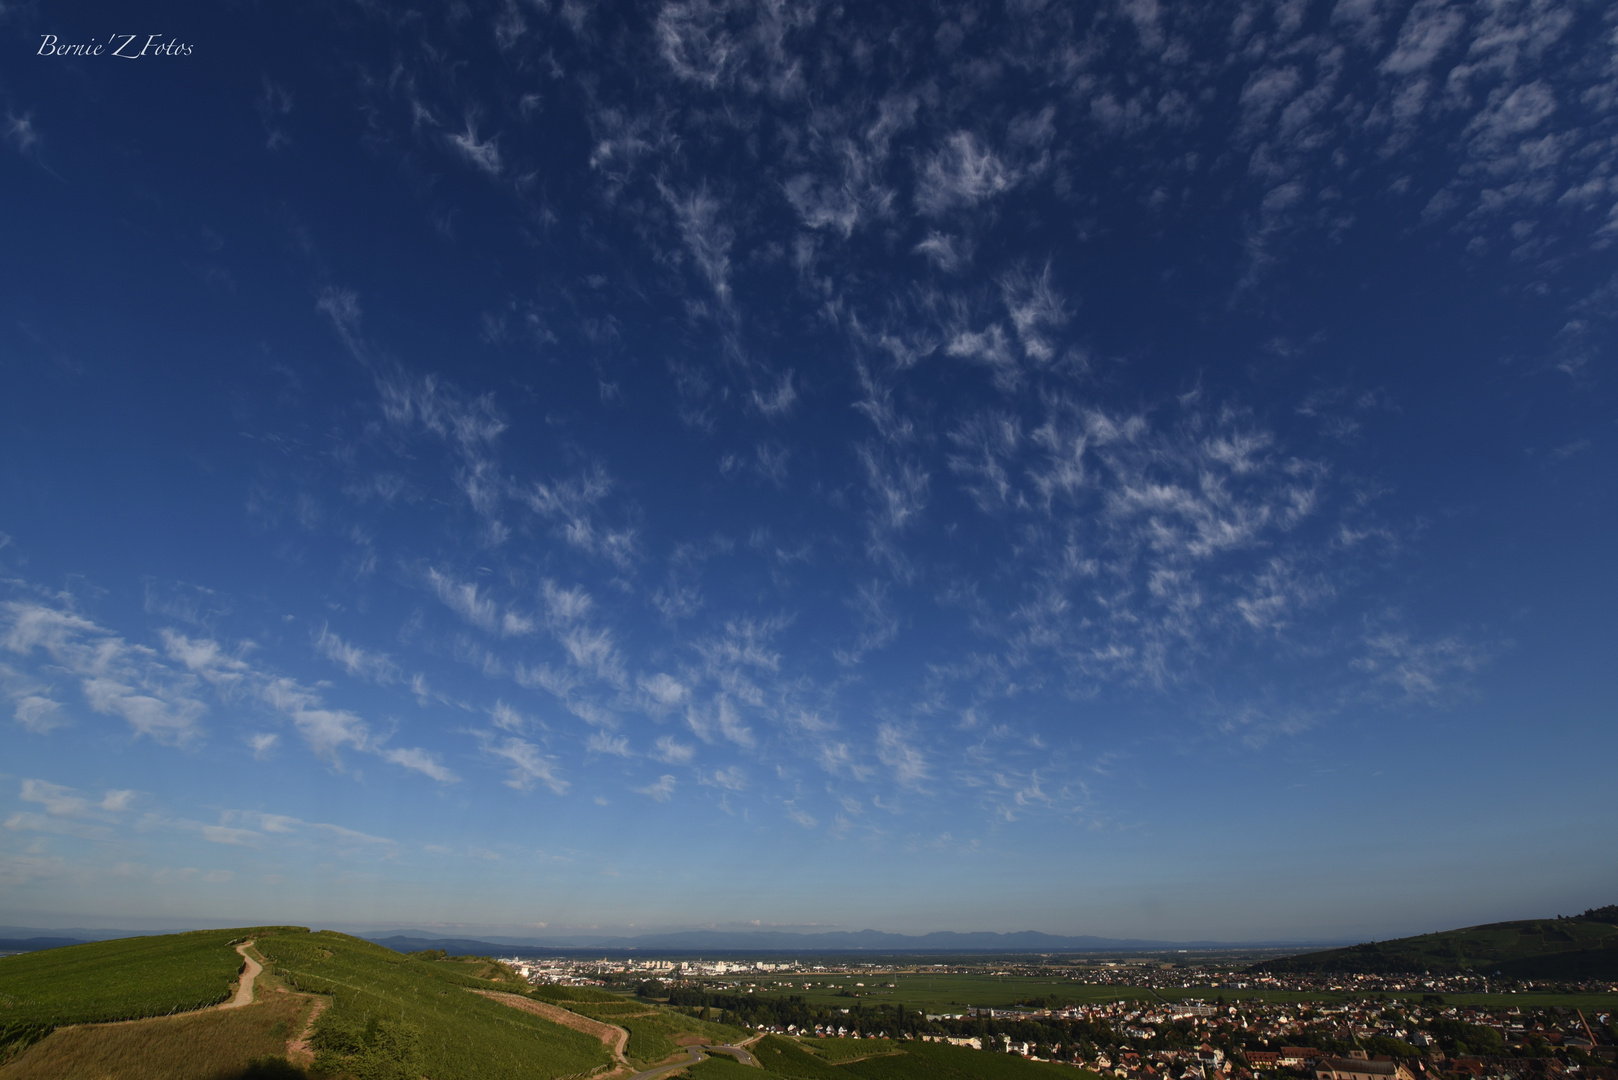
115 677
661 791
529 765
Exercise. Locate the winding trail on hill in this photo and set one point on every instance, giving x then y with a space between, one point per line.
611 1035
244 991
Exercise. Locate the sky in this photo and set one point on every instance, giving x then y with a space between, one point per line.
1133 469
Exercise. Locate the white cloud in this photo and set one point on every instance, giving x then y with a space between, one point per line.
665 690
961 174
950 254
483 154
377 667
117 678
204 657
708 236
1427 31
466 599
661 791
566 605
224 834
57 800
732 778
421 761
1037 311
529 764
672 751
19 131
572 503
895 750
801 818
33 703
602 742
508 719
325 730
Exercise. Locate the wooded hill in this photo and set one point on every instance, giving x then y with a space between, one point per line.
1564 949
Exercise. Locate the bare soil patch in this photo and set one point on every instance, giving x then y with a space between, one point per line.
244 988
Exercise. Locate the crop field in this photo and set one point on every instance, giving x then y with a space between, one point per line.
394 1015
916 1061
124 979
944 993
937 1061
480 969
724 1067
563 995
653 1031
937 993
838 1051
210 1045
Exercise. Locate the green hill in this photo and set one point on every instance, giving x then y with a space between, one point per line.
401 1016
124 979
383 1016
1569 949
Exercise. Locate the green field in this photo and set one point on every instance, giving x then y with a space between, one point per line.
397 1016
125 979
936 993
653 1031
953 992
837 1051
915 1061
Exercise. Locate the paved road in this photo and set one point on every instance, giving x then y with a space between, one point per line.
694 1054
244 992
737 1052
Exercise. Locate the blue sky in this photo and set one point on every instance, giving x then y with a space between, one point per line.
1135 469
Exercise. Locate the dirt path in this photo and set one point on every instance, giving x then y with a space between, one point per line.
299 1052
244 991
610 1035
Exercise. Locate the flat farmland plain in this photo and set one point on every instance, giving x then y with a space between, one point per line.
950 992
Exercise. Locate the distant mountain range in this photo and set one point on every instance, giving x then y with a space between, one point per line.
34 944
14 939
687 942
772 941
1580 947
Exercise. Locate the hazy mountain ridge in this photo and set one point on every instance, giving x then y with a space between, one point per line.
945 941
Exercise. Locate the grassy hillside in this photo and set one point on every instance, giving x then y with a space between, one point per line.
654 1032
1581 947
209 1045
125 979
399 1016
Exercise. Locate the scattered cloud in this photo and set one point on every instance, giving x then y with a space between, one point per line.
661 791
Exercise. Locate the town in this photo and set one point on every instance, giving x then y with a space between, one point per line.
1148 1018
